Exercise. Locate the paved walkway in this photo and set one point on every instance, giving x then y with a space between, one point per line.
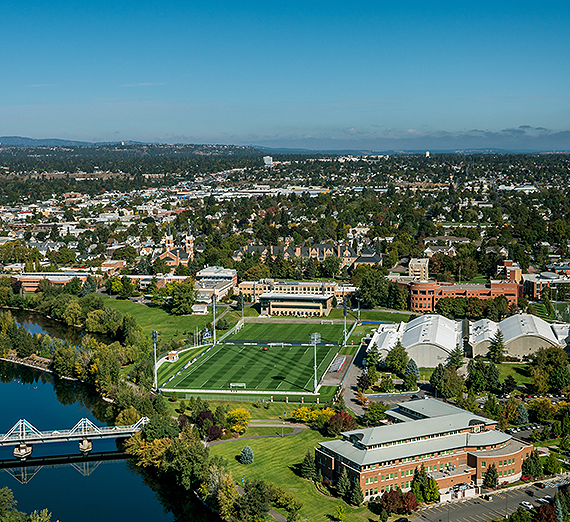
350 383
297 428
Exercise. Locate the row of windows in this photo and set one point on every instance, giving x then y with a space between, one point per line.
407 459
375 491
502 462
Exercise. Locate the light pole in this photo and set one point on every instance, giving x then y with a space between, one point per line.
241 300
358 299
154 339
344 311
315 338
214 312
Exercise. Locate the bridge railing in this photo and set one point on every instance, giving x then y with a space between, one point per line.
24 431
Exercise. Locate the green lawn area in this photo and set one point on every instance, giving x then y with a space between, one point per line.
275 461
254 431
541 311
287 332
479 279
370 315
520 372
425 373
288 368
153 318
274 411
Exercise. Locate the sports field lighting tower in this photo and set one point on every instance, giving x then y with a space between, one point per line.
315 339
154 339
214 312
344 311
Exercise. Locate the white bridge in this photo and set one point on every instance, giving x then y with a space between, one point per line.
23 434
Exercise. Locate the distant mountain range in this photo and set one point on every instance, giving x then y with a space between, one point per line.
20 141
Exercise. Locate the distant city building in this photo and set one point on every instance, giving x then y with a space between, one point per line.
268 160
217 274
511 270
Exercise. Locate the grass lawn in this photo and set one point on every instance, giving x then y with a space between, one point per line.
370 315
287 332
520 372
288 368
254 431
274 411
541 312
479 279
425 373
276 460
153 318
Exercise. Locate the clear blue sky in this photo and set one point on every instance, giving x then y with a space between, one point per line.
329 74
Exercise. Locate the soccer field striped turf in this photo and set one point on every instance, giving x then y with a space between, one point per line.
288 368
287 332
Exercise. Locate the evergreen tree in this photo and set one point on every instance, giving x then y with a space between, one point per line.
356 495
431 494
308 469
343 485
558 511
509 385
246 455
532 466
455 359
436 376
412 369
551 465
522 413
492 377
497 348
491 477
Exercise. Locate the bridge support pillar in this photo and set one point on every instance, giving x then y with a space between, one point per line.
23 451
85 446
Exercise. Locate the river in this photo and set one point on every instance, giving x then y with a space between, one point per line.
109 490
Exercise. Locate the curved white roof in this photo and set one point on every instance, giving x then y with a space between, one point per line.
432 329
483 330
526 324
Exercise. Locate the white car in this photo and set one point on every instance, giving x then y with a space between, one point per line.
526 505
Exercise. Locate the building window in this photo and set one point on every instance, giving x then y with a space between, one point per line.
482 464
483 475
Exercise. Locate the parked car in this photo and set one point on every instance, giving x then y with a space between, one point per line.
548 498
526 505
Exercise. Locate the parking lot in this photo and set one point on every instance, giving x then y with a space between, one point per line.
505 502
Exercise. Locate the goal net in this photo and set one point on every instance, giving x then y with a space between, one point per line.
237 385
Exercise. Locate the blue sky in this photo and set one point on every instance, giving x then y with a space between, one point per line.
315 74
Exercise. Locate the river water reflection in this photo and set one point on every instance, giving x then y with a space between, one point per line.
102 490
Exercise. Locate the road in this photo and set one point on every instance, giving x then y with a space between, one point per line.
477 510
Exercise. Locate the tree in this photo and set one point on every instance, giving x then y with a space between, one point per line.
246 455
412 369
363 382
431 493
375 413
497 348
551 465
492 407
397 359
254 504
491 477
343 485
532 466
308 469
238 419
410 383
455 358
558 511
522 414
356 496
436 376
559 378
451 384
492 378
373 289
509 385
183 297
340 513
227 495
545 513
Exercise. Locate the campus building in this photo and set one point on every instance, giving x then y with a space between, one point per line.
419 268
30 281
217 274
298 305
454 445
254 289
424 295
430 339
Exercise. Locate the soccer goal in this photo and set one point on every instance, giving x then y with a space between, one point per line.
237 386
327 321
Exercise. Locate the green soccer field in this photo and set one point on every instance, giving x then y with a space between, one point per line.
287 332
286 369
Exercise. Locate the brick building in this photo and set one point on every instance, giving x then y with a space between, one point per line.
424 295
454 445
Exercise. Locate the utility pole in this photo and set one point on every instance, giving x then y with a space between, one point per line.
154 339
214 311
